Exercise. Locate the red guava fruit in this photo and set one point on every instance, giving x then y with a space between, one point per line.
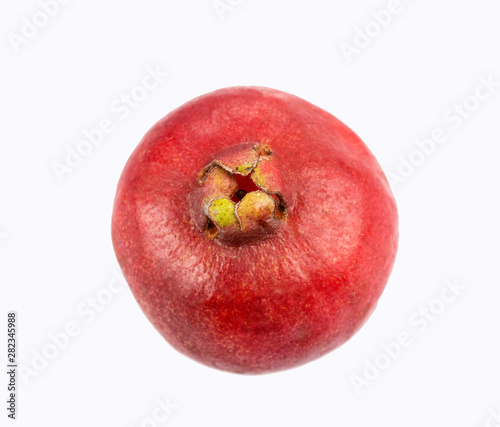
255 230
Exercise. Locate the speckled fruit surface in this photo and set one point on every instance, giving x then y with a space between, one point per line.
255 230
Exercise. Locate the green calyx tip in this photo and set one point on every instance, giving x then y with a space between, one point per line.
222 212
244 169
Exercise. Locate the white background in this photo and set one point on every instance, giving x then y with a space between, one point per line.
55 246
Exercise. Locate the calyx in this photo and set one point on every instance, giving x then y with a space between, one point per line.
240 195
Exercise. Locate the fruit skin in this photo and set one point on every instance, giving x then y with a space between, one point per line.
272 303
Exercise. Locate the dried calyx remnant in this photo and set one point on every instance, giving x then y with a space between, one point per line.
241 196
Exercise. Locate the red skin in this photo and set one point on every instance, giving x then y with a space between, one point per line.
279 302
